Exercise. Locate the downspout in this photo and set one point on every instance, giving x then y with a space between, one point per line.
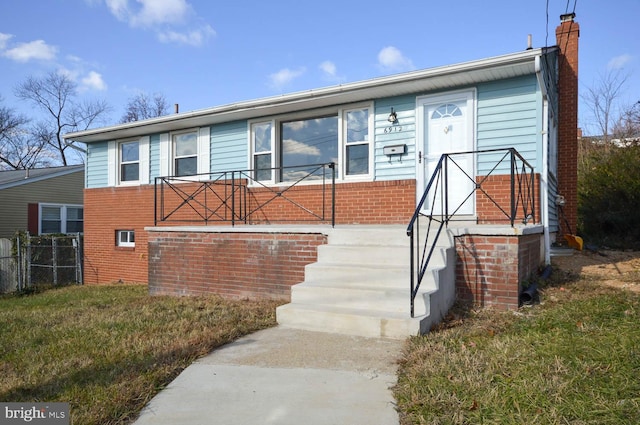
544 177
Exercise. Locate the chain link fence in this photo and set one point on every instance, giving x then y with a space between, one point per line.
28 261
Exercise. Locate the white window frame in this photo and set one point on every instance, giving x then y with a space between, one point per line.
175 157
341 113
130 239
342 127
272 152
203 153
121 163
63 216
113 159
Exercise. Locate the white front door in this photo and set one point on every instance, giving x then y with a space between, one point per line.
446 125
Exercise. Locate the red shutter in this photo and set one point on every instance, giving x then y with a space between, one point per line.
33 219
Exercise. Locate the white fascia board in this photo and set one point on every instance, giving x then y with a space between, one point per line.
423 80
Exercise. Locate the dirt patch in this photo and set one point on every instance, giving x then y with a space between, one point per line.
620 269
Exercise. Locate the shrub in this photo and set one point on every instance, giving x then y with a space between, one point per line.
609 195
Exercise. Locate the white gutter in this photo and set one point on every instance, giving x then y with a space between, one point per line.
416 81
544 177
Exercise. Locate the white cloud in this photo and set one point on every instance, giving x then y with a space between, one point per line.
191 38
329 68
3 40
285 76
38 49
619 62
162 11
147 13
173 20
119 8
391 59
291 146
330 72
93 81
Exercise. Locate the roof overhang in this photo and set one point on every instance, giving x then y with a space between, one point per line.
422 81
28 176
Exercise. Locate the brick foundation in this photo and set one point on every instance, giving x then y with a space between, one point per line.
238 265
490 269
132 208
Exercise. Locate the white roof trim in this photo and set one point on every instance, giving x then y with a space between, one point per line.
28 179
432 79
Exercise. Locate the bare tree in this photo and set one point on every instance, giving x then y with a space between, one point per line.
17 149
143 106
601 99
627 126
56 95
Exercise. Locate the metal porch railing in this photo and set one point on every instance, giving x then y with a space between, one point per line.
510 180
308 194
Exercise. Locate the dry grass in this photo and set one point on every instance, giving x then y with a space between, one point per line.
573 359
107 350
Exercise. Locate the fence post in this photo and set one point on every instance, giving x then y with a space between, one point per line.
19 263
28 282
54 256
78 252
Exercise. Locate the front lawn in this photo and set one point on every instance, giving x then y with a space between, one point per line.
107 350
573 359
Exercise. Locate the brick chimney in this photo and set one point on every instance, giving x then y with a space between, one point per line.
567 34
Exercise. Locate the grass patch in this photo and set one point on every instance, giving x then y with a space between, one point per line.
573 359
107 350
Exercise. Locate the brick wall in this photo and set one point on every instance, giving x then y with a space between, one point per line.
105 211
238 265
567 35
497 189
490 269
132 208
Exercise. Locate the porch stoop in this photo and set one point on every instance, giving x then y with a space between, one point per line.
360 285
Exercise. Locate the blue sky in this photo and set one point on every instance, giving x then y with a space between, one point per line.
203 53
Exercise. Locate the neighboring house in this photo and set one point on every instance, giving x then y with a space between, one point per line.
42 200
385 136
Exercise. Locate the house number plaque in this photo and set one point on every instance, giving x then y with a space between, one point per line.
393 129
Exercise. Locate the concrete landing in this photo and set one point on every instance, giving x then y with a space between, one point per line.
285 376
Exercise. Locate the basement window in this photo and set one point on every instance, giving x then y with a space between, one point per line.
126 238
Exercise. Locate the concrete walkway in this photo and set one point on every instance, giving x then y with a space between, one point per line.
284 376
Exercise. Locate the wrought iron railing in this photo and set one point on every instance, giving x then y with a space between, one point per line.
508 179
307 193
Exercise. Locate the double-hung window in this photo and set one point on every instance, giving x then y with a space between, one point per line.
129 157
61 218
295 146
356 142
262 145
185 154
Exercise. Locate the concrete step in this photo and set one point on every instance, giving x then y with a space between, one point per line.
369 235
350 321
368 275
360 285
372 255
395 300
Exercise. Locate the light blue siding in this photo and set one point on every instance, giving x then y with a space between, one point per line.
386 134
508 117
229 147
154 157
97 165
